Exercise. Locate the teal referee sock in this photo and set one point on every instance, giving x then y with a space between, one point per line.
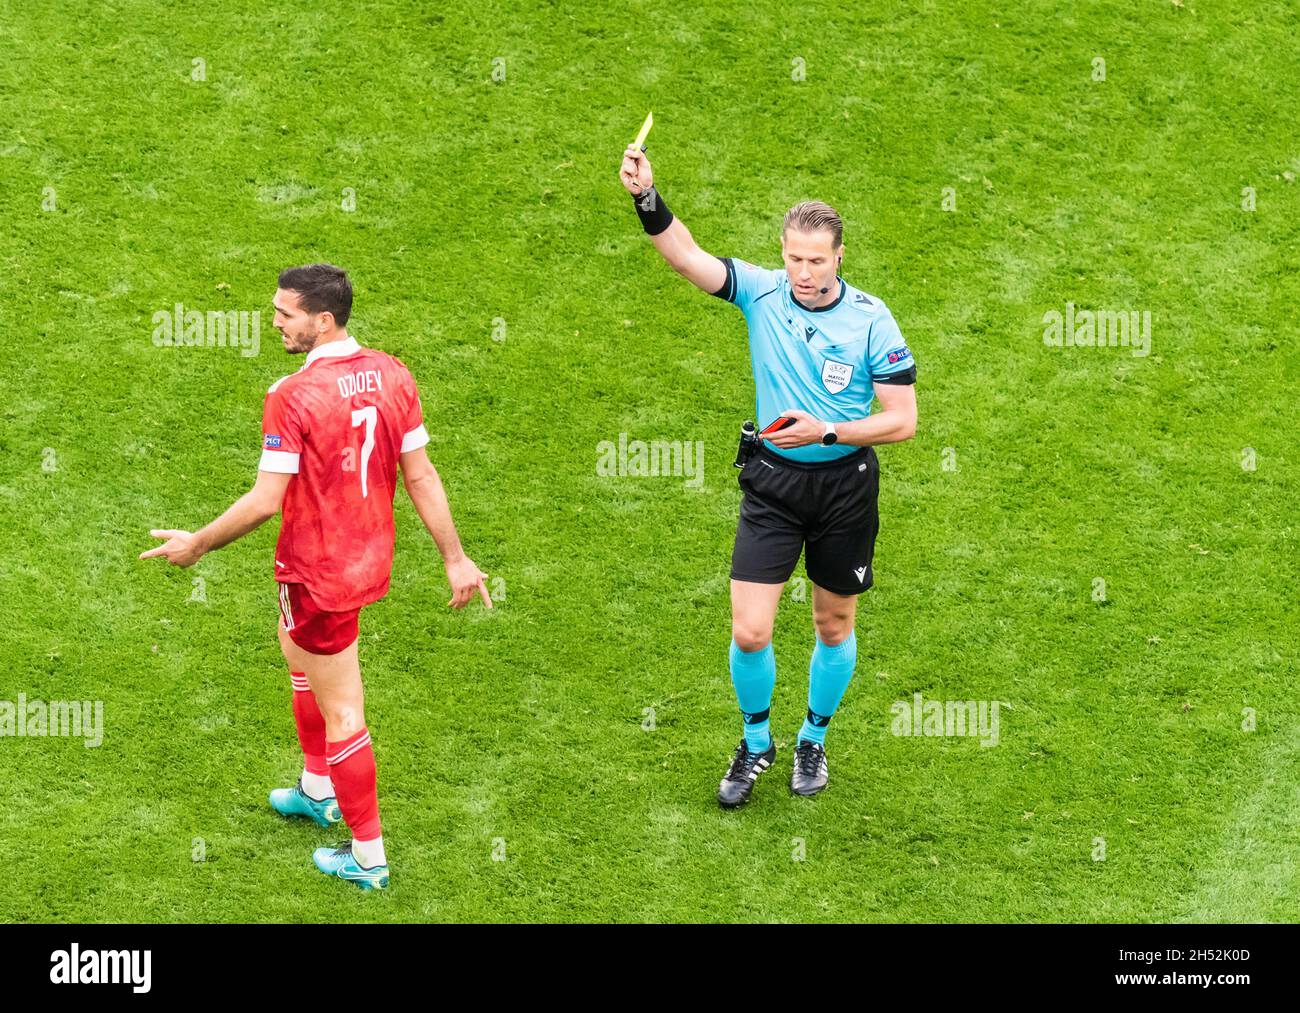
829 674
754 677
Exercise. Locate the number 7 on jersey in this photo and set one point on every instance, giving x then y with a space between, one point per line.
369 415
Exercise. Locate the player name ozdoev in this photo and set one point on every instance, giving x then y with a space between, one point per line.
365 382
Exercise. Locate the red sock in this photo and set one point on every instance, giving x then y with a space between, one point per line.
352 769
311 725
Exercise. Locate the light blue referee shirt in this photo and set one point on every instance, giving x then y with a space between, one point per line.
822 361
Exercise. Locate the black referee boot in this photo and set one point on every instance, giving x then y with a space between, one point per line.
737 786
810 772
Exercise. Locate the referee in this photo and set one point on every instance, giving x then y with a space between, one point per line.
820 350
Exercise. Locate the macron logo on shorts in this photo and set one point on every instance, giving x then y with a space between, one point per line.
270 441
861 571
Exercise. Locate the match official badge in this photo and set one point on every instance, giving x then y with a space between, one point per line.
836 375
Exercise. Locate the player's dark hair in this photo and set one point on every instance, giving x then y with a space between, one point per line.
812 216
320 287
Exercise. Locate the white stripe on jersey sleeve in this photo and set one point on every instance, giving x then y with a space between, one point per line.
280 461
415 439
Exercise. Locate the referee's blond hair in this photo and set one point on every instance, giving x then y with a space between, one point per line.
813 216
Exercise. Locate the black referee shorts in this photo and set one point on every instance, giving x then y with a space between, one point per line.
829 506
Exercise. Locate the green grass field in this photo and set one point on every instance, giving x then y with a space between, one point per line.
495 252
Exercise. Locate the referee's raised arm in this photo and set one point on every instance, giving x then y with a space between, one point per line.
671 238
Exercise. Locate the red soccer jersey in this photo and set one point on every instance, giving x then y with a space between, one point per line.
338 425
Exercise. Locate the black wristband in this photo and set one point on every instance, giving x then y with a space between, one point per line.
653 212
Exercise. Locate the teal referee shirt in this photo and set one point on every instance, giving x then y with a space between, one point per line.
822 361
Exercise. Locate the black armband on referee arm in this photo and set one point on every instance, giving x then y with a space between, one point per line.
653 212
904 377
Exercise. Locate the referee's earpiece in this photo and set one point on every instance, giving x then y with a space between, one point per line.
838 261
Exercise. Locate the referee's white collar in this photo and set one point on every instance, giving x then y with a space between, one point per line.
344 346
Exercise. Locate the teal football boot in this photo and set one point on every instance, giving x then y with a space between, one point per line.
296 802
340 862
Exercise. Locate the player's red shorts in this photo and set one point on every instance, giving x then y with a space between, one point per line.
315 631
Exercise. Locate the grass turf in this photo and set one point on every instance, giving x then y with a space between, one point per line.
518 733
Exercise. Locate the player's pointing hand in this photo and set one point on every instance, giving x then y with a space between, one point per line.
465 577
180 549
635 172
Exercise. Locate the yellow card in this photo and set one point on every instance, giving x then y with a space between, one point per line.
645 130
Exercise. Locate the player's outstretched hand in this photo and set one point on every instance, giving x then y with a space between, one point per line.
635 171
464 577
806 429
180 549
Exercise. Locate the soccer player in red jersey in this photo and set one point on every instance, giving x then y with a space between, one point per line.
333 436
